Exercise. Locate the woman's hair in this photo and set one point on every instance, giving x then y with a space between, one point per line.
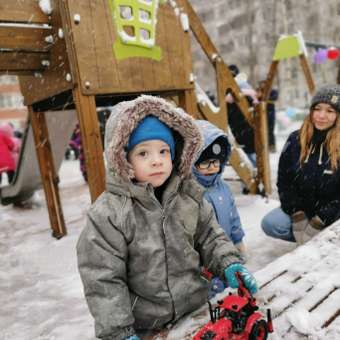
332 141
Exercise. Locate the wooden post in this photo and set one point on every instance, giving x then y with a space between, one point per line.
48 174
221 84
187 101
91 142
269 80
261 147
224 78
308 73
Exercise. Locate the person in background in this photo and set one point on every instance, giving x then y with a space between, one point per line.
241 129
309 173
149 233
76 145
8 150
103 116
271 113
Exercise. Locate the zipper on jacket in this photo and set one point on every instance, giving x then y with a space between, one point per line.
167 268
165 251
134 303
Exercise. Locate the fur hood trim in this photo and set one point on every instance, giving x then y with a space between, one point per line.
126 116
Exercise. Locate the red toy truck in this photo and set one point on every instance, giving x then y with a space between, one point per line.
236 317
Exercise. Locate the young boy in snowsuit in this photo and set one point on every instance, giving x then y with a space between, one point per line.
149 233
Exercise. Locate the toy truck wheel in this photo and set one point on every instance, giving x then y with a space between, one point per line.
259 331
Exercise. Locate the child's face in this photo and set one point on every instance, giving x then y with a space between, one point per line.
209 167
151 162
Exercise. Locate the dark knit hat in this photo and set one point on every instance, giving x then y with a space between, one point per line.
234 70
218 149
329 94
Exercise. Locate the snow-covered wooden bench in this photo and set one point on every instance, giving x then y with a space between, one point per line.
302 288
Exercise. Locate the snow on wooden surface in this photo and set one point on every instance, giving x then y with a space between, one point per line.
45 6
302 289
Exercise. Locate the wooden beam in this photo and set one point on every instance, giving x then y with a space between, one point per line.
22 11
24 38
22 62
261 147
308 74
199 31
91 142
187 101
48 174
269 80
224 78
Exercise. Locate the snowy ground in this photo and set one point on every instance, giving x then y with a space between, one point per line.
40 291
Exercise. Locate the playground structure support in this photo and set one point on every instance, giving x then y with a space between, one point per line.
66 60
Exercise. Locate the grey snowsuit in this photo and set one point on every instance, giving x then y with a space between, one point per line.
140 259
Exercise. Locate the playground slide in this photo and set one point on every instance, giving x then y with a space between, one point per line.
27 178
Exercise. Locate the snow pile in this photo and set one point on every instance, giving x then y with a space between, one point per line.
45 6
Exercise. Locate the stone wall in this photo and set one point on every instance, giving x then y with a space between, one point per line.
246 31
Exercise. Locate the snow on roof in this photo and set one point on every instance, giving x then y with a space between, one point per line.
45 6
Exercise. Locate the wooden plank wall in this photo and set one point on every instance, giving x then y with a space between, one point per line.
93 40
23 28
24 38
22 12
22 62
52 80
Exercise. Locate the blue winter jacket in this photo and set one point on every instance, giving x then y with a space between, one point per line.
218 192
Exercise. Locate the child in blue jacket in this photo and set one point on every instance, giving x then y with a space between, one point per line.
208 171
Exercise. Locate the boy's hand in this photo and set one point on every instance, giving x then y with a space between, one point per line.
248 279
133 337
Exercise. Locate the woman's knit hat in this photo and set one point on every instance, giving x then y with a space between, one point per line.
329 94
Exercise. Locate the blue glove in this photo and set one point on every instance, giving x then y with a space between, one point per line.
248 279
133 337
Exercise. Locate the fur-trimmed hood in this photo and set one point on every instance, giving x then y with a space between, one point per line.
126 116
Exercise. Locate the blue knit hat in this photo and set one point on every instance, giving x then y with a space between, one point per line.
151 128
